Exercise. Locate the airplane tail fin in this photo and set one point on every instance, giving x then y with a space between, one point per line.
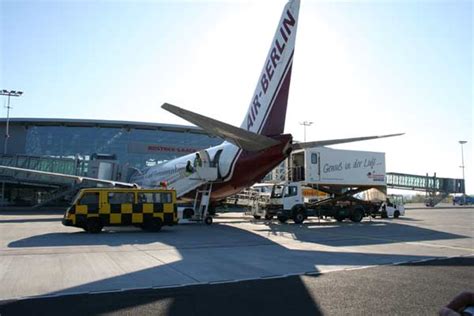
267 110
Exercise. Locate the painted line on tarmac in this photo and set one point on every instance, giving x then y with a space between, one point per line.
356 268
108 291
437 246
220 282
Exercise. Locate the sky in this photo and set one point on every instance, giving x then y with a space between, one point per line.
360 68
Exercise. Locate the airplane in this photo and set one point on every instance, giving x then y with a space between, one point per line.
248 152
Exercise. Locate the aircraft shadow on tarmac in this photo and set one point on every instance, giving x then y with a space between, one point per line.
259 297
235 254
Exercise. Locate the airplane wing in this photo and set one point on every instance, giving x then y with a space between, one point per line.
238 136
78 179
339 141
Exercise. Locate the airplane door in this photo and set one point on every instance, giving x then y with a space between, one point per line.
205 160
215 162
205 169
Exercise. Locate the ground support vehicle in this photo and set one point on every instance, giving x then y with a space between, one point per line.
337 178
393 207
463 200
94 208
256 199
288 203
199 210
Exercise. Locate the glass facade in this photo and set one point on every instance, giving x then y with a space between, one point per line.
136 147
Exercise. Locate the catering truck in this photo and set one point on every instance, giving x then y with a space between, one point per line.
342 179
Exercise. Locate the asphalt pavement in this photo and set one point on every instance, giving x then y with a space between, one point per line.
408 289
237 266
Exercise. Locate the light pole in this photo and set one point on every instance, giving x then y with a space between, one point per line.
11 93
306 123
462 142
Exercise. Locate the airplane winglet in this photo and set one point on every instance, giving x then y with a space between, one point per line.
339 141
238 136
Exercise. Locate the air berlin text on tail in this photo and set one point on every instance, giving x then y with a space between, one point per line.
270 65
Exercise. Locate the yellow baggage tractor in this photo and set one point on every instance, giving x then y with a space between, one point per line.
95 208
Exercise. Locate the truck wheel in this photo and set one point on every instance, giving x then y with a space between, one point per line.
299 217
396 214
282 218
94 225
357 216
208 220
257 216
268 216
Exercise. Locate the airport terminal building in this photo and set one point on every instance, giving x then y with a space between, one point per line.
139 144
69 146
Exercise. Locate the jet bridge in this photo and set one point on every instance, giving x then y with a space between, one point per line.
23 187
70 166
436 188
424 183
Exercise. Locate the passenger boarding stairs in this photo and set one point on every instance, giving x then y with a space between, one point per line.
202 201
433 199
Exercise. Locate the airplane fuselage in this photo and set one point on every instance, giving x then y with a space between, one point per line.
236 169
251 167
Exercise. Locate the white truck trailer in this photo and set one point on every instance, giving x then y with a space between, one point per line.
335 167
342 174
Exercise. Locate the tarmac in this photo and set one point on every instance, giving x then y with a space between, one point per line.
408 289
40 258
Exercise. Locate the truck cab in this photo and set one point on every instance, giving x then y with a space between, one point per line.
292 196
287 201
